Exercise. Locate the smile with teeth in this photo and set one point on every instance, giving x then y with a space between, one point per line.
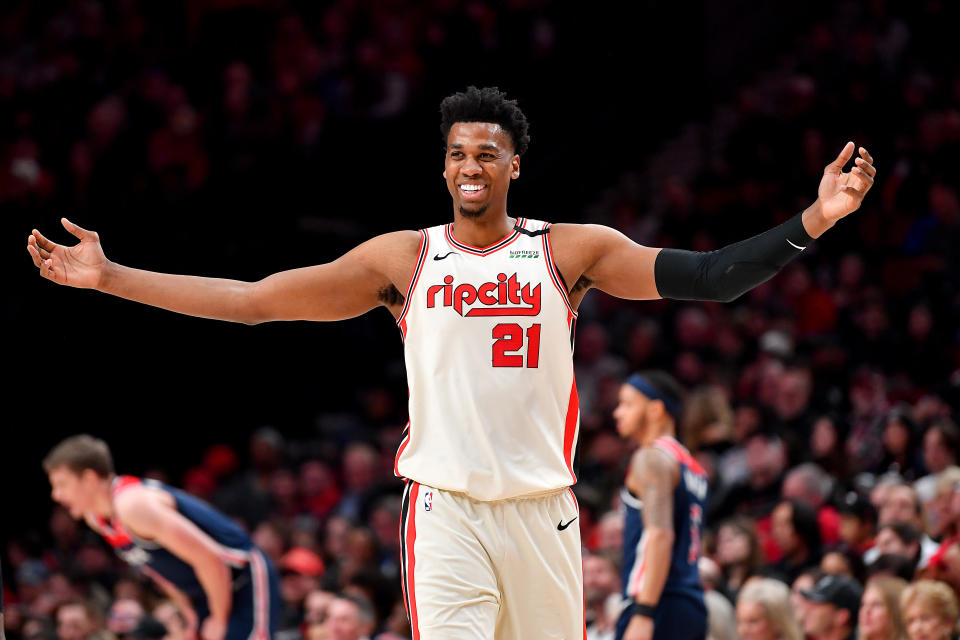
472 188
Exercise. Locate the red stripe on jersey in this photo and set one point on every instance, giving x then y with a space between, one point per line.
403 445
411 558
570 429
679 452
122 483
553 271
414 277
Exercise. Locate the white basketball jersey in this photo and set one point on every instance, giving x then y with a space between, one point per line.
488 341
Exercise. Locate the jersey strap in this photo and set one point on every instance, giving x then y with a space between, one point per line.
679 453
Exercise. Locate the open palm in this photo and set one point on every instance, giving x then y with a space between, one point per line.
79 266
840 194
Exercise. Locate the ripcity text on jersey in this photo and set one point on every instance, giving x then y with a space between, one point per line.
689 505
256 601
488 342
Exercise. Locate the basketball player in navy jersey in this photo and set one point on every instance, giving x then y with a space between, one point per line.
472 445
664 499
224 586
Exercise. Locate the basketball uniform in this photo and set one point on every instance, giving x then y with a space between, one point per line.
256 595
489 546
681 613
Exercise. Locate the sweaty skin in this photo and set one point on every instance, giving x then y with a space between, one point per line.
377 272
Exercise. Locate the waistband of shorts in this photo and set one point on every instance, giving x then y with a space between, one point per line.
526 496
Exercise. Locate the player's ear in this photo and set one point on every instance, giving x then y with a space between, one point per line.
515 167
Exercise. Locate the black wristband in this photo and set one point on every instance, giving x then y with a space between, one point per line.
645 610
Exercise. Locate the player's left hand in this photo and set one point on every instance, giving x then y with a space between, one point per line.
213 629
639 628
840 193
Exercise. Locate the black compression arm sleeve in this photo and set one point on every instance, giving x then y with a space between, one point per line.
726 274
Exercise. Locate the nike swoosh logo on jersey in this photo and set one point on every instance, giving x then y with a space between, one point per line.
439 257
795 246
561 525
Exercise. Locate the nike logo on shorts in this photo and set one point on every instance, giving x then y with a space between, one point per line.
562 525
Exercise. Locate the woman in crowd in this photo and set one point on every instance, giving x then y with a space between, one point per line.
764 613
880 617
929 610
738 552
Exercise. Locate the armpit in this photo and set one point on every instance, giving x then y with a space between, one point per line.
390 296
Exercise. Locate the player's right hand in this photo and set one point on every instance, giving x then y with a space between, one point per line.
81 265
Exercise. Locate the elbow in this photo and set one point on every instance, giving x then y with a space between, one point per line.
250 308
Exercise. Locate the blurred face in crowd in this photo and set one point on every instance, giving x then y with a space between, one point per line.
344 622
873 622
835 563
168 615
936 455
888 542
600 579
900 504
76 492
479 154
800 604
315 606
822 618
753 623
853 530
783 531
73 622
124 615
896 437
733 546
924 623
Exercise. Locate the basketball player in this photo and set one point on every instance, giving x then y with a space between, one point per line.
664 499
486 307
223 585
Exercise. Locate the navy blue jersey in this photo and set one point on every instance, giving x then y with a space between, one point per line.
689 503
252 575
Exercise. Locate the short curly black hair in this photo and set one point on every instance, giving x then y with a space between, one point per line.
488 104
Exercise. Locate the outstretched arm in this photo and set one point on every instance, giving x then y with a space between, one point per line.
344 288
613 263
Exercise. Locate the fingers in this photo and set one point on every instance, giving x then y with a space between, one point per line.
34 254
837 165
866 155
79 232
42 241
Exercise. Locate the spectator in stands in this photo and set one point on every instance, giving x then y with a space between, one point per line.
349 618
172 619
77 620
738 552
901 504
858 521
796 532
601 579
123 616
943 512
809 483
833 609
929 610
941 441
764 613
804 582
900 538
880 617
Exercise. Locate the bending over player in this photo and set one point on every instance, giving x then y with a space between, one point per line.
223 585
494 411
664 501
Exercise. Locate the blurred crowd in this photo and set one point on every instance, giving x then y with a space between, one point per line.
823 404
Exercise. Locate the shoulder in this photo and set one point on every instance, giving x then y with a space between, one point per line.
396 242
141 508
583 233
654 465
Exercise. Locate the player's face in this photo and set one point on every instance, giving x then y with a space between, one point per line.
478 167
631 411
72 490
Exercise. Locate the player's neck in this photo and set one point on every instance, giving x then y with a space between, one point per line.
483 231
664 429
103 500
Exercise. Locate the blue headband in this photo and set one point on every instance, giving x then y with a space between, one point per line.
643 385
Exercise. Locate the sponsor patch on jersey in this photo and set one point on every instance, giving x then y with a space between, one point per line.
525 253
428 501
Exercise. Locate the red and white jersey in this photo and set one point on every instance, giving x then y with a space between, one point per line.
488 341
